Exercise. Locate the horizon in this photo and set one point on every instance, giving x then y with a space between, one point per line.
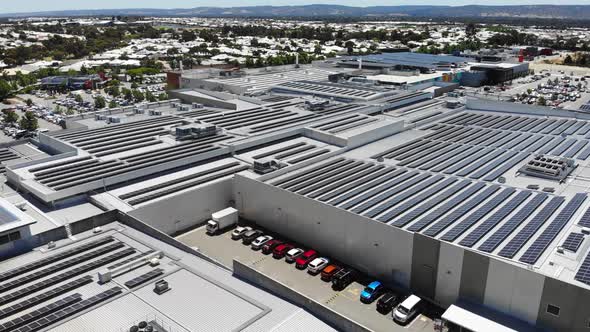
36 6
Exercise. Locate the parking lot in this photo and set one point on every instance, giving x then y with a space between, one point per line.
346 302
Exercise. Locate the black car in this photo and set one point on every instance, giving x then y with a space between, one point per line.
387 302
343 278
250 236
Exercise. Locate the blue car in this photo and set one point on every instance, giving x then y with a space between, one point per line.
372 291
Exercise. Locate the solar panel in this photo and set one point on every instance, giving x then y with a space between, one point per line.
362 179
38 299
355 190
573 242
64 276
40 312
572 152
572 129
479 163
144 278
516 141
59 267
512 247
413 201
460 211
470 150
507 228
330 184
395 191
312 170
485 153
317 172
450 204
481 230
504 168
54 258
375 191
445 157
583 274
584 130
550 233
539 143
404 195
564 146
495 163
523 124
551 145
584 154
430 156
296 186
62 314
478 214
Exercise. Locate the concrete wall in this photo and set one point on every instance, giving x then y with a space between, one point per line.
335 232
342 323
188 209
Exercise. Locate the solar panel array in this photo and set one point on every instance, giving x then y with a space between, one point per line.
38 313
573 242
70 310
144 278
537 248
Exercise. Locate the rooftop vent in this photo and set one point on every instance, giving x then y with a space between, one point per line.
266 165
161 287
195 130
548 167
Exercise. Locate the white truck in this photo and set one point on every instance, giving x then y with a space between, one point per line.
221 220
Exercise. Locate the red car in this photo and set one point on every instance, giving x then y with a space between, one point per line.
306 258
269 246
281 250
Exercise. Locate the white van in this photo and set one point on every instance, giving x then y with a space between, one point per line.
407 310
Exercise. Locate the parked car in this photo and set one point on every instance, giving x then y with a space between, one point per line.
260 241
329 271
281 250
372 291
269 246
306 258
237 233
387 302
293 254
249 236
343 278
407 310
317 265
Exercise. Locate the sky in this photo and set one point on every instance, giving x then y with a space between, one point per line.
14 6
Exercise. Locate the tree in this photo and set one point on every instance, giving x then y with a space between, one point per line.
138 96
188 35
29 121
568 60
99 102
29 102
79 99
541 101
10 116
5 90
150 97
115 91
113 104
163 97
349 46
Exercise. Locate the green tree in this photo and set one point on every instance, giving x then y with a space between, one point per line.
78 99
29 102
162 97
99 102
10 116
541 101
5 90
113 104
29 121
138 96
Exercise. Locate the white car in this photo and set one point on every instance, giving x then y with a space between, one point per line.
292 254
407 310
239 231
317 265
260 241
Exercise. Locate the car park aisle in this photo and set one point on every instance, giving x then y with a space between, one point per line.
346 302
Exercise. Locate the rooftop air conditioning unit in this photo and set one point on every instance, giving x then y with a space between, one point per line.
139 111
161 287
197 105
155 112
99 117
114 119
174 105
182 108
51 245
585 230
560 250
96 230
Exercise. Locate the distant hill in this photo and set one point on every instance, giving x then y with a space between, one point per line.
529 11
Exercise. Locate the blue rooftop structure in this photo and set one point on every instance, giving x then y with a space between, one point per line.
406 60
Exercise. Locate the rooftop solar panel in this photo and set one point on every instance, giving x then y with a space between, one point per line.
573 242
518 241
550 233
583 274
